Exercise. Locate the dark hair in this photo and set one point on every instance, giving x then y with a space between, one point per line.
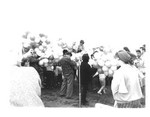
69 53
138 51
85 58
82 41
143 48
126 49
65 52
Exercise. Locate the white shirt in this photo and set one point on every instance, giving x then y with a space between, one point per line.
126 84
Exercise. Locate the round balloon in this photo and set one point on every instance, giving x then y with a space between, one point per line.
41 62
110 72
105 68
101 63
113 68
100 71
106 73
108 63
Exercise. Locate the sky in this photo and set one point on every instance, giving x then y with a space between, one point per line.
114 23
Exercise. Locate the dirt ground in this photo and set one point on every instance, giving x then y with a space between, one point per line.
50 98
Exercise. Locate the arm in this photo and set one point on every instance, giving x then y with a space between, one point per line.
72 63
141 78
115 83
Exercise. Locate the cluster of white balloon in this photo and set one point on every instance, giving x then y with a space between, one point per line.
40 45
104 60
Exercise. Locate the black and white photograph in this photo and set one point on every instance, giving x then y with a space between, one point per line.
78 54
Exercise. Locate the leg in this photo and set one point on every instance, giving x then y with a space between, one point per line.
95 82
103 84
83 94
63 87
70 80
48 81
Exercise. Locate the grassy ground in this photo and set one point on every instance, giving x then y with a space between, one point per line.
51 99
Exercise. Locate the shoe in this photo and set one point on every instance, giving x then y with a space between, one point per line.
61 95
85 103
68 97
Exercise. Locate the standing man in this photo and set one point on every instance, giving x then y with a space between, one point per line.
68 74
86 75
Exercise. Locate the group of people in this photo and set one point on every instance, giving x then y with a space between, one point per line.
127 85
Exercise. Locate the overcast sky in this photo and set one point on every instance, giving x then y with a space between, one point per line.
116 23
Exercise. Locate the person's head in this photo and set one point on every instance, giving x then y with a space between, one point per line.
68 54
138 52
126 49
81 42
124 57
65 52
143 49
85 58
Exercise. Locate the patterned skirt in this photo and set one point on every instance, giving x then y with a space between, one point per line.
131 104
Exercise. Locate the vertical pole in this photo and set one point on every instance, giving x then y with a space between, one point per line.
79 88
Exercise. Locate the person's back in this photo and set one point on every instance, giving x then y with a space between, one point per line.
25 89
67 65
85 73
129 88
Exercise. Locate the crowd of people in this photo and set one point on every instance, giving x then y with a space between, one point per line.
128 82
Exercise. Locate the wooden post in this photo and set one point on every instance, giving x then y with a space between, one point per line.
79 88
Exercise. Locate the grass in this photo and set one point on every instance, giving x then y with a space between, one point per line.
50 98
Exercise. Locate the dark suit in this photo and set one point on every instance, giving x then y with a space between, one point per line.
86 74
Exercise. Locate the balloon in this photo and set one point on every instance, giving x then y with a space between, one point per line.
26 43
41 48
44 45
43 39
105 68
97 55
113 62
108 63
113 68
31 37
119 63
100 71
95 65
104 58
41 62
110 72
36 49
45 64
39 53
47 41
51 57
106 73
45 60
37 40
101 63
